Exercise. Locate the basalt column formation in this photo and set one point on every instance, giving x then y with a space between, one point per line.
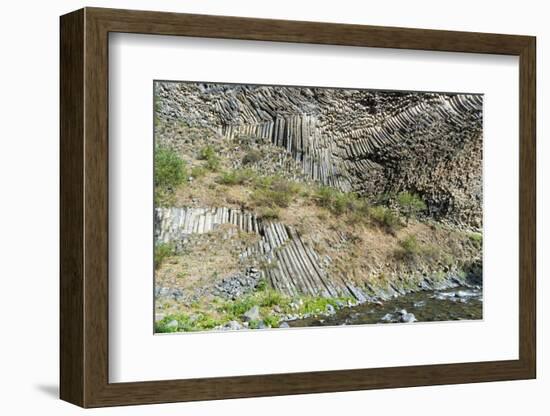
369 142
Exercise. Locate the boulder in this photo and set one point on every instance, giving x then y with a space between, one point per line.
406 317
232 326
173 324
253 314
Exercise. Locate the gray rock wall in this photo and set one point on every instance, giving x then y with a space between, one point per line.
370 142
288 263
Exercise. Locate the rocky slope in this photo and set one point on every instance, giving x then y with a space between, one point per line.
292 265
227 241
370 142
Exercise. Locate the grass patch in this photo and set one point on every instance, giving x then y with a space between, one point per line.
187 323
335 201
271 321
236 177
410 249
385 218
198 172
273 306
274 191
162 252
236 309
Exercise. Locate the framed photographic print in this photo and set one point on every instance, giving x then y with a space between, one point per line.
256 207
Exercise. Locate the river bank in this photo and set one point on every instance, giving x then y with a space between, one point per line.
453 299
460 303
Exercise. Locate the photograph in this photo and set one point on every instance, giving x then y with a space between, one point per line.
297 206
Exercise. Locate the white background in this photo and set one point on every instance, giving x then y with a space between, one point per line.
29 217
135 355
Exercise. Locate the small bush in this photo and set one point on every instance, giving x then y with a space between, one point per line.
251 157
234 310
410 204
476 239
198 172
268 213
385 218
271 199
316 305
408 249
162 251
271 298
271 321
410 244
262 285
170 172
274 192
208 153
340 203
235 177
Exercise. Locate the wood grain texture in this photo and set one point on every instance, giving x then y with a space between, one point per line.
84 207
71 208
527 208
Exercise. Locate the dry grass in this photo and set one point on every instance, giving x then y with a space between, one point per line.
207 259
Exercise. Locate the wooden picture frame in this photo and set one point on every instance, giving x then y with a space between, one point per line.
84 207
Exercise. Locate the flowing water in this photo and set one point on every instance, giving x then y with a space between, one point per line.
460 303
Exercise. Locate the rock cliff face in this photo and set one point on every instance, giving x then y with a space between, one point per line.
287 261
369 142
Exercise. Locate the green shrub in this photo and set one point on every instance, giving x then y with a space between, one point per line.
385 218
236 177
254 324
262 285
359 213
269 198
271 298
410 244
263 182
162 327
331 199
234 310
316 304
410 204
274 192
476 239
198 172
251 157
409 248
340 203
271 321
170 172
268 213
208 153
162 251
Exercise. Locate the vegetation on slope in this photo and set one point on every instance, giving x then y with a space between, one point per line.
371 241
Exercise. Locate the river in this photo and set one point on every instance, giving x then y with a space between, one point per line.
460 303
